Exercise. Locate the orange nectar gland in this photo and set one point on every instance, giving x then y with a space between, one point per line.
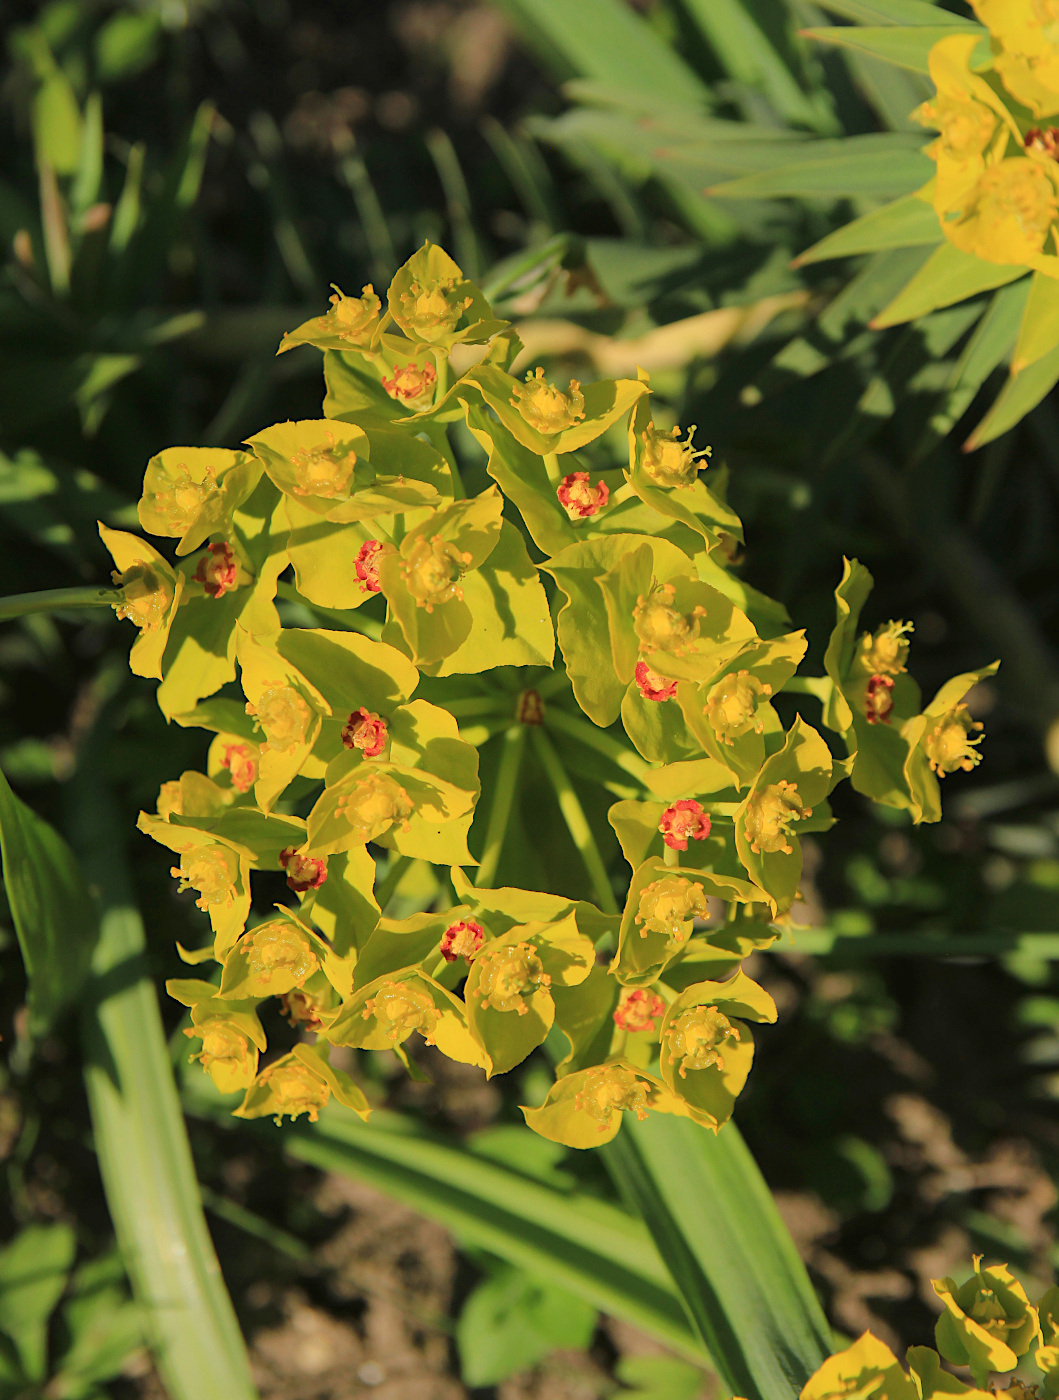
302 1009
212 870
670 462
241 761
462 940
660 626
400 1010
352 317
323 471
283 716
279 947
611 1089
218 570
651 685
546 408
294 1090
948 743
366 731
433 570
696 1036
433 312
638 1010
670 906
146 597
510 974
366 565
578 498
182 498
885 653
411 384
732 706
376 803
303 872
221 1042
878 699
684 819
769 814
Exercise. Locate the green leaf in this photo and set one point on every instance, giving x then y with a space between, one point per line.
715 1223
910 222
139 1133
608 41
50 907
512 1321
906 47
1019 395
1039 332
895 12
573 1241
949 275
33 1270
880 165
652 1377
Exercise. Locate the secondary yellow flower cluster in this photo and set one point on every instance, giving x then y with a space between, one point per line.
988 1325
997 186
326 756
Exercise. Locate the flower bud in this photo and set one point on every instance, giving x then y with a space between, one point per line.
878 699
697 1037
988 1322
325 470
375 804
352 318
638 1010
226 1055
579 499
303 872
732 706
885 652
948 744
412 384
400 1009
651 685
278 956
610 1089
670 906
283 715
431 311
366 731
462 940
684 819
213 871
218 570
147 596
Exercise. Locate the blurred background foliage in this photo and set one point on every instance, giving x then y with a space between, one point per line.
183 179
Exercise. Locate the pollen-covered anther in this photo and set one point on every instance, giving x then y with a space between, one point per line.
147 596
301 1009
462 940
294 1090
1043 141
885 652
653 686
638 1010
280 947
510 974
433 311
610 1089
325 470
670 906
376 803
578 498
433 570
948 744
660 626
221 1043
366 565
283 715
366 731
546 408
212 870
304 872
218 570
768 817
241 760
682 821
732 706
878 699
668 460
352 317
411 384
696 1036
401 1009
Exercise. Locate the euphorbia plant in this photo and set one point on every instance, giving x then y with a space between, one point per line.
324 761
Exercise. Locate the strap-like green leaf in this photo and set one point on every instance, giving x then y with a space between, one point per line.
949 275
50 907
889 164
1039 332
894 12
1021 393
906 223
717 1227
907 47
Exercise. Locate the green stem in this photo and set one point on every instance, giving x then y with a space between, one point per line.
574 816
626 758
57 600
503 800
552 467
387 886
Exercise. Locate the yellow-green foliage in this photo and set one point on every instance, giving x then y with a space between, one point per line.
322 751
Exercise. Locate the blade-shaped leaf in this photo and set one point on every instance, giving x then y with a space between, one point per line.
1021 393
895 12
888 164
33 1270
717 1227
50 907
949 275
1039 332
906 223
907 47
